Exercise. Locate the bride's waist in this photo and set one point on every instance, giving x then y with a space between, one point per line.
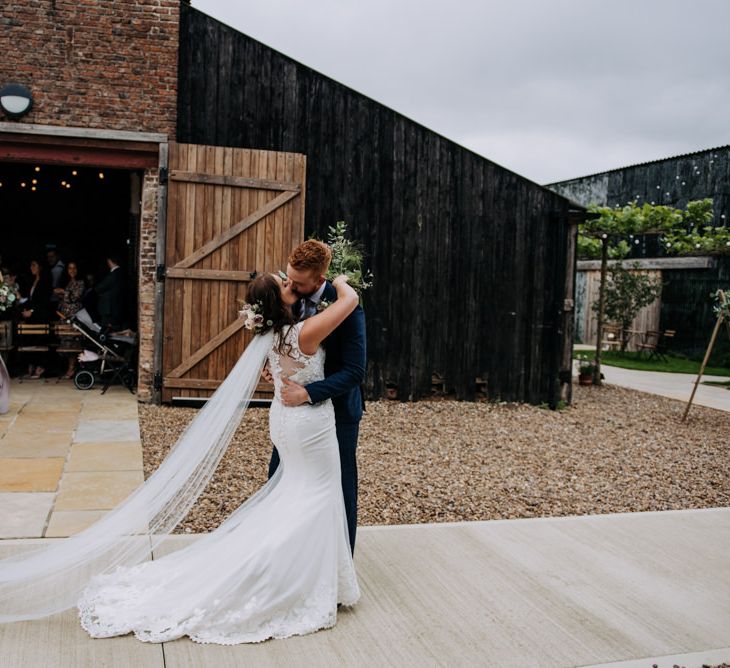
326 404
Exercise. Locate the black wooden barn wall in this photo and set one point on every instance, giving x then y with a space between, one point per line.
469 258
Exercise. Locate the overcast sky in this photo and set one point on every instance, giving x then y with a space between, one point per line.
551 89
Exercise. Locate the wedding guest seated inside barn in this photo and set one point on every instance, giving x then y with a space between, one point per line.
35 305
71 303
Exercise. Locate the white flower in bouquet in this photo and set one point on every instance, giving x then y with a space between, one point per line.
7 297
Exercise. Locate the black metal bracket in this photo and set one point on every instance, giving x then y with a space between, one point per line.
157 381
160 272
163 176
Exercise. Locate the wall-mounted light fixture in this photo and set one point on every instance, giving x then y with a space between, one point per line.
15 100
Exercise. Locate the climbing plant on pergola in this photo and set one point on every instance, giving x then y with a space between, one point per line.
610 233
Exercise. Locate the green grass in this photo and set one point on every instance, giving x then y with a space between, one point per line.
632 360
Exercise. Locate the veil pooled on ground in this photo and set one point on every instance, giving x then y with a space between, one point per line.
49 579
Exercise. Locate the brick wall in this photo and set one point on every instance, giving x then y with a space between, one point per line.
94 63
147 266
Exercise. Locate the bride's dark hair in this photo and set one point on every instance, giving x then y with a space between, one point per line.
264 290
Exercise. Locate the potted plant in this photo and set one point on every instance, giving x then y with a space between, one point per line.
586 369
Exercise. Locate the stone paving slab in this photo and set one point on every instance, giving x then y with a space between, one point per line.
55 433
124 456
68 522
24 514
18 446
30 475
96 490
94 431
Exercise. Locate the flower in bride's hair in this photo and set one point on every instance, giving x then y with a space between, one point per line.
253 318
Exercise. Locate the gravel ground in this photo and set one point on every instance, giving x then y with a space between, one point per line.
613 450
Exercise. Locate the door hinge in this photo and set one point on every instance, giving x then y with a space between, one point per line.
160 272
163 176
157 381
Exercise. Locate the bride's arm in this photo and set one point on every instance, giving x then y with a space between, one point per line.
318 327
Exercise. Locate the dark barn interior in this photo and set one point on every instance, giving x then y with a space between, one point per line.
471 261
84 213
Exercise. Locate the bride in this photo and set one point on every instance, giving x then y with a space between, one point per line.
278 566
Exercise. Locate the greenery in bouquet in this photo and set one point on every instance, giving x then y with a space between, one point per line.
347 258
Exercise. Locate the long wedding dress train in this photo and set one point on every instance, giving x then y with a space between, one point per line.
277 567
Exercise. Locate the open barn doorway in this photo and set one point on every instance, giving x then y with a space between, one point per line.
75 216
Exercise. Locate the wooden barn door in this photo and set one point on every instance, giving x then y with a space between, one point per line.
230 212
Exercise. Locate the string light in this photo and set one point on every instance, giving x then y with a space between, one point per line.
22 184
33 188
68 185
37 169
34 181
74 173
101 175
63 183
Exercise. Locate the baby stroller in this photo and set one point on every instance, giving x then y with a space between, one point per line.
114 357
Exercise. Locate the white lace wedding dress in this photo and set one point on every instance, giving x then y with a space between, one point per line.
277 567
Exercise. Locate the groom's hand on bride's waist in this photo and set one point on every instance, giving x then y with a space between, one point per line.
293 394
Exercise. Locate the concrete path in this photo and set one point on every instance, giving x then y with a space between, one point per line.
672 385
66 457
646 588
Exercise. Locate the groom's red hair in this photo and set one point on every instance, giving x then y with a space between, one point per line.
313 256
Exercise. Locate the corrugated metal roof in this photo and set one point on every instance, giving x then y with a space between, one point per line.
639 164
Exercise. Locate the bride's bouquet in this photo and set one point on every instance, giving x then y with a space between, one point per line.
8 296
347 258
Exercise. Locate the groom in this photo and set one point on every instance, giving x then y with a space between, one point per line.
344 366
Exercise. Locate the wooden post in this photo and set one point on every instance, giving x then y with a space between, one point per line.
601 309
713 338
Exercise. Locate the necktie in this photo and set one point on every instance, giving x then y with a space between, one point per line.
309 308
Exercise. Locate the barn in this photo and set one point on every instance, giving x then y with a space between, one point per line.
685 305
203 156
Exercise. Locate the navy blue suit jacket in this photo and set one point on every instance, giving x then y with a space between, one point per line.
344 365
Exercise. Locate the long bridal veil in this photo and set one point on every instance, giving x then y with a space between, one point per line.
50 579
